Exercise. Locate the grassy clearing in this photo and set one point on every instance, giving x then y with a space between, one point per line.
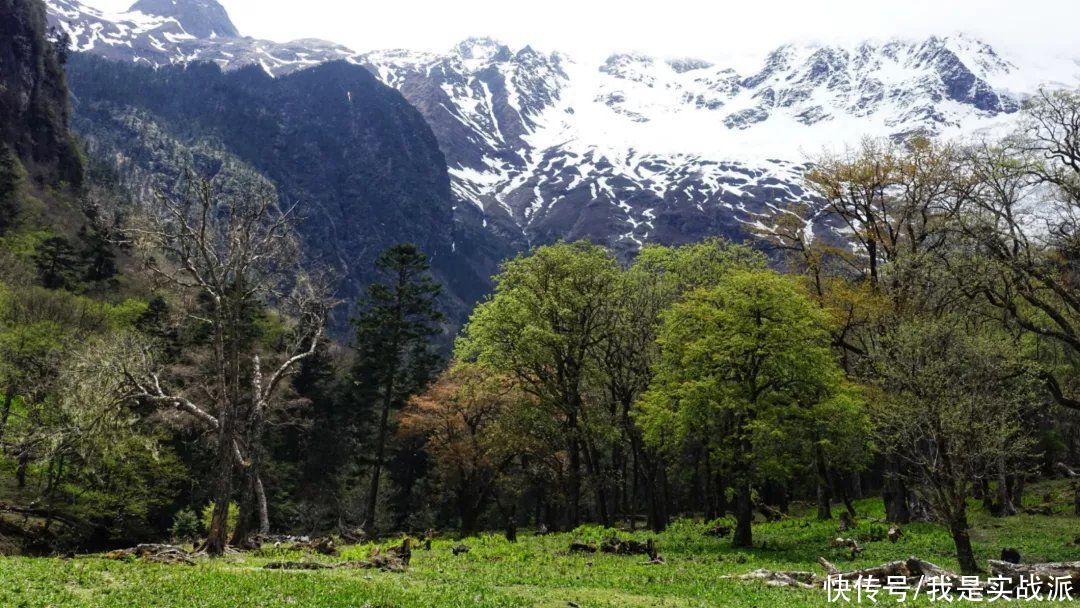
537 571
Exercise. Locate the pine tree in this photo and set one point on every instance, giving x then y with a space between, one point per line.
58 264
98 255
394 333
9 183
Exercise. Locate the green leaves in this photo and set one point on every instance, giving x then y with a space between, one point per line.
742 364
550 313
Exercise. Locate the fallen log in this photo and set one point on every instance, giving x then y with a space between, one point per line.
897 568
911 569
1046 575
161 554
378 561
324 545
580 547
46 514
849 543
298 566
395 559
616 546
803 580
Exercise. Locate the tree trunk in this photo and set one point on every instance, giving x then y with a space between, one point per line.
961 537
20 470
260 501
1016 490
663 498
219 520
722 503
845 497
599 484
467 511
1008 508
575 476
710 503
856 485
9 399
871 252
468 522
635 485
824 492
744 516
824 508
784 499
894 493
217 536
376 467
247 511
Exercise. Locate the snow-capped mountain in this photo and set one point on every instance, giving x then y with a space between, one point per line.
633 148
165 32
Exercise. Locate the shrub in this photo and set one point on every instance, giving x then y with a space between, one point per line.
186 525
208 514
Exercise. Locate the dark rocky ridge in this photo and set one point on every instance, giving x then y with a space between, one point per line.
361 162
34 96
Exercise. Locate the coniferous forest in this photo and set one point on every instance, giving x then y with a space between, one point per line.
197 392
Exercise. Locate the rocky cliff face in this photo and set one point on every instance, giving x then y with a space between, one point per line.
34 108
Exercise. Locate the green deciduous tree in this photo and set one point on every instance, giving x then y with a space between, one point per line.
544 327
739 361
954 396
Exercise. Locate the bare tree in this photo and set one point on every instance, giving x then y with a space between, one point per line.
894 202
1024 219
892 199
227 242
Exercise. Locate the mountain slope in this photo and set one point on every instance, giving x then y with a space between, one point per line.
636 149
34 96
169 32
357 159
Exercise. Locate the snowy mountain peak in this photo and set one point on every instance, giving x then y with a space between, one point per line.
633 148
200 18
479 51
688 64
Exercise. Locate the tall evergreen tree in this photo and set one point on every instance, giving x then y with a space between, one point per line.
9 183
394 332
58 263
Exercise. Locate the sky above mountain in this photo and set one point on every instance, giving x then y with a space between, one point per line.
718 30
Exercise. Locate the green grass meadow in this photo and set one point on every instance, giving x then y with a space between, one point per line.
536 571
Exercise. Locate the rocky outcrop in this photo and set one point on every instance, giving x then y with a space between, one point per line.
34 107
